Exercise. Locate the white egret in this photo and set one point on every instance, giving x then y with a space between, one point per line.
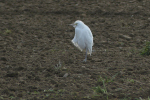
83 38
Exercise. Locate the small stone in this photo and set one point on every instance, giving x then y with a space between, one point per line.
83 15
64 68
19 47
149 19
132 34
66 75
83 66
125 37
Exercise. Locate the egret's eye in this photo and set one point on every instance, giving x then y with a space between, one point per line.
76 23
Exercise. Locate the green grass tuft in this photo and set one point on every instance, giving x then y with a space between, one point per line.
146 49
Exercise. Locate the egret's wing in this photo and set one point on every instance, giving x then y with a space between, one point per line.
89 31
75 41
90 34
76 45
88 40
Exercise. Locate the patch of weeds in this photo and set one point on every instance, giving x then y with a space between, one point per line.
52 50
28 92
99 89
141 89
102 89
1 97
131 80
47 95
63 52
121 43
57 68
129 54
35 92
107 80
11 97
56 93
146 49
113 77
7 31
144 99
145 79
49 90
60 92
86 97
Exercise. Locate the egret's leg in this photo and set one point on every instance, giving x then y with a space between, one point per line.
85 56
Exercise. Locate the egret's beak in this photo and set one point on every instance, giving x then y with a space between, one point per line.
71 24
74 25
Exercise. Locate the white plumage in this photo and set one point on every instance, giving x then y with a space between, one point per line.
83 38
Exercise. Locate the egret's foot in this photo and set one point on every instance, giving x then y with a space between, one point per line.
85 56
84 60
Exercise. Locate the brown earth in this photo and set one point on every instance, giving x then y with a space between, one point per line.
39 62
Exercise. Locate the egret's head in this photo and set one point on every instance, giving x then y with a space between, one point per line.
77 23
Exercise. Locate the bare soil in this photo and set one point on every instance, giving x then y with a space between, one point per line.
39 62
